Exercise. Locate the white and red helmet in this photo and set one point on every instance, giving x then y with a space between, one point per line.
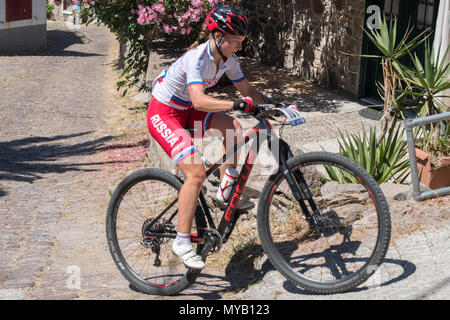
228 20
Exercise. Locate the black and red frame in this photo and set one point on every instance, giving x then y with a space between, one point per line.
281 151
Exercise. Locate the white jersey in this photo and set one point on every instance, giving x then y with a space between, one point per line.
194 67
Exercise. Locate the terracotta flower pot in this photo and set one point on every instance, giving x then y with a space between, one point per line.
434 178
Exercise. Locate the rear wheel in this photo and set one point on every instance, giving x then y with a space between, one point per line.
353 229
140 235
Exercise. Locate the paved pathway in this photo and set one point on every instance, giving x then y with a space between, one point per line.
52 109
56 175
416 267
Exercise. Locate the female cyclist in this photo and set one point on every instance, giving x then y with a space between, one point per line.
179 101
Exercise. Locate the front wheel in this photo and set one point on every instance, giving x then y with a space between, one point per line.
351 235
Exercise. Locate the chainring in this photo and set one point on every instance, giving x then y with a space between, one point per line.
213 235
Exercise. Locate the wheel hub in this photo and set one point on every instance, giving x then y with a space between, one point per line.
329 223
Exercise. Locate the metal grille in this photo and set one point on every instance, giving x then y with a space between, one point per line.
425 10
391 8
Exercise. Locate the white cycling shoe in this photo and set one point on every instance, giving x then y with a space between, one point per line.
187 254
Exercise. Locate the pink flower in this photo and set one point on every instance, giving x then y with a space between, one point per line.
140 20
159 8
168 29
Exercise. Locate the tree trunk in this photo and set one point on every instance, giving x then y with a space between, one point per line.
390 84
122 52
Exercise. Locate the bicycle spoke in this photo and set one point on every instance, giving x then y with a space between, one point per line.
147 205
344 240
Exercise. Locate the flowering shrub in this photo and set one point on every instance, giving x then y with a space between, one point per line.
139 22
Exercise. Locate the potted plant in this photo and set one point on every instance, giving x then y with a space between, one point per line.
433 159
428 82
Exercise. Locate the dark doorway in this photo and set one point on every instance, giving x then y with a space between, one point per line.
419 14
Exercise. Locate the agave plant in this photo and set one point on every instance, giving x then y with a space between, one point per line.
385 162
429 80
391 51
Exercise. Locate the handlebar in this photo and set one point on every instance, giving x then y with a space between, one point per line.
264 111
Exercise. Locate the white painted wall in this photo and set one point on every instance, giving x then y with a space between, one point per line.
39 16
442 38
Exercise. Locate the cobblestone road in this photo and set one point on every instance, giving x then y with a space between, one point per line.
54 187
53 108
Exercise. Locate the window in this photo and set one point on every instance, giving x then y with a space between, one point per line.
18 10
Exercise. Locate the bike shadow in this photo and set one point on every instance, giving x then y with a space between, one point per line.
246 270
408 269
238 275
249 266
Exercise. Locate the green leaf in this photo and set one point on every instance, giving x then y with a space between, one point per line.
384 162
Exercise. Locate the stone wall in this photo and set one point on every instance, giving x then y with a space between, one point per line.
308 38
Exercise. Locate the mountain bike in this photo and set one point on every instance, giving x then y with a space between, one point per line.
323 221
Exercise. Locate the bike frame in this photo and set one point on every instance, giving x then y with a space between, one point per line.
281 151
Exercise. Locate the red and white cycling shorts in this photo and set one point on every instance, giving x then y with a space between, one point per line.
168 127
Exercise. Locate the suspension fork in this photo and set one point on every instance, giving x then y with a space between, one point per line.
304 187
297 184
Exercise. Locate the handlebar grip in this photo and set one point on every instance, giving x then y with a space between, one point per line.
239 105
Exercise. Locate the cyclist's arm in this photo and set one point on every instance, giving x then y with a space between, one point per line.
204 102
247 90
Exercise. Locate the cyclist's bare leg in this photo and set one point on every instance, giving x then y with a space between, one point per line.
231 131
194 170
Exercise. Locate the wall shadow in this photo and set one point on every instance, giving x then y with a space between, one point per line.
58 42
170 48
